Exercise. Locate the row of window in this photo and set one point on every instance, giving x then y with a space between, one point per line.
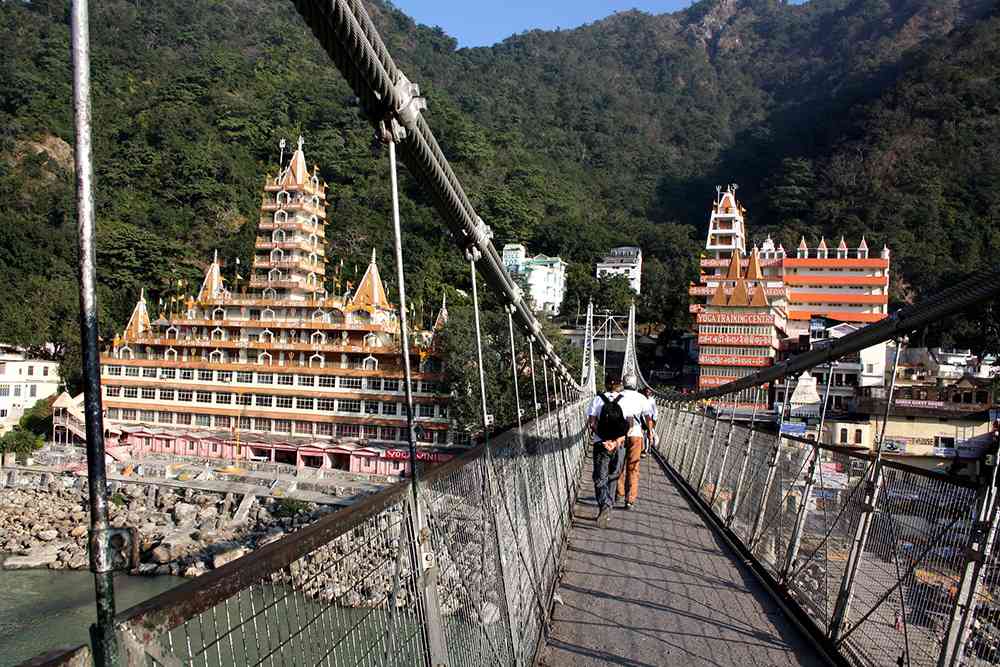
31 369
31 390
736 329
341 405
287 426
730 371
385 385
738 351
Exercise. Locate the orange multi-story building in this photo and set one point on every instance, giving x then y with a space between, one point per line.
842 284
739 331
283 372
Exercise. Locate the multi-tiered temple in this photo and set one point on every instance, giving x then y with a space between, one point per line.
283 371
751 301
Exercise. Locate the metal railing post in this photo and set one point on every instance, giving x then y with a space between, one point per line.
433 627
725 457
795 542
873 489
687 467
473 255
102 633
687 436
981 546
708 454
738 488
772 468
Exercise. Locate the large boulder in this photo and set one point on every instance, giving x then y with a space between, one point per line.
185 513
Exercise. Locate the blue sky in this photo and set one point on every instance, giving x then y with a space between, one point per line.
479 23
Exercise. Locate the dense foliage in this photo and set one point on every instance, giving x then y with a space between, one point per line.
843 116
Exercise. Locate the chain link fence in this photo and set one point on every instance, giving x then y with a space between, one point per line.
877 556
463 574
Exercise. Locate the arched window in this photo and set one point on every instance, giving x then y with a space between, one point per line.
370 340
126 353
170 354
278 236
315 200
370 363
172 332
317 338
269 293
218 334
266 336
267 313
315 181
217 357
312 239
313 222
311 279
264 359
282 198
319 316
277 255
274 275
219 314
280 217
313 258
317 361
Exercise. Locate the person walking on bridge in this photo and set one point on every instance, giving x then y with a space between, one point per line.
640 418
610 418
651 418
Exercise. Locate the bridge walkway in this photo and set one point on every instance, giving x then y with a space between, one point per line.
661 587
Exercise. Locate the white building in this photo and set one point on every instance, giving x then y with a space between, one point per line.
623 261
23 382
545 276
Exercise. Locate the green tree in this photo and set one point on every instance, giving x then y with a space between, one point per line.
20 441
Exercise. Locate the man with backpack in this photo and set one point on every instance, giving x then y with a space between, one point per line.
610 418
628 481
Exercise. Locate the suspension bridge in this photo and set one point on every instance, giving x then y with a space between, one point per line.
731 556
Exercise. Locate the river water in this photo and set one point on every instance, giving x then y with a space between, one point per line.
44 609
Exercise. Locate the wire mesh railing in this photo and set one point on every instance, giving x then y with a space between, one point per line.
465 574
796 507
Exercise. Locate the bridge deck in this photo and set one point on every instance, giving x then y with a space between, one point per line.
659 587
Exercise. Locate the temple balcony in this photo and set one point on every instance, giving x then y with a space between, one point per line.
269 346
305 207
303 225
294 244
262 283
285 323
301 264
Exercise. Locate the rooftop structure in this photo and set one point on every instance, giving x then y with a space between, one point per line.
284 371
544 275
623 261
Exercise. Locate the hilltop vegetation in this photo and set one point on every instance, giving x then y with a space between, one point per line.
844 116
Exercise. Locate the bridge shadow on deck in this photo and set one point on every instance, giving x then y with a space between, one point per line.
659 587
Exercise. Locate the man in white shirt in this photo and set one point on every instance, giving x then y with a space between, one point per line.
611 417
628 481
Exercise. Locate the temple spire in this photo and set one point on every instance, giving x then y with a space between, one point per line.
442 316
138 322
370 291
211 286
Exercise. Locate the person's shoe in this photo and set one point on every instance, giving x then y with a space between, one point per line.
604 517
629 505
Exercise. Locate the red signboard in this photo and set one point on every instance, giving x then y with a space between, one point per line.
706 381
732 360
733 339
403 455
725 317
705 290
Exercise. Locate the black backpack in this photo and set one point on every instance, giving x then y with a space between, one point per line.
611 424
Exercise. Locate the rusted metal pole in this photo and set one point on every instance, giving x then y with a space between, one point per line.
102 633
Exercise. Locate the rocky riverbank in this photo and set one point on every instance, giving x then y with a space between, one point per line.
180 532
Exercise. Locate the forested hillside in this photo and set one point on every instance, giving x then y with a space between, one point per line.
857 116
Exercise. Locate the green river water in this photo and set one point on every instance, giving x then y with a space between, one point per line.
44 609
